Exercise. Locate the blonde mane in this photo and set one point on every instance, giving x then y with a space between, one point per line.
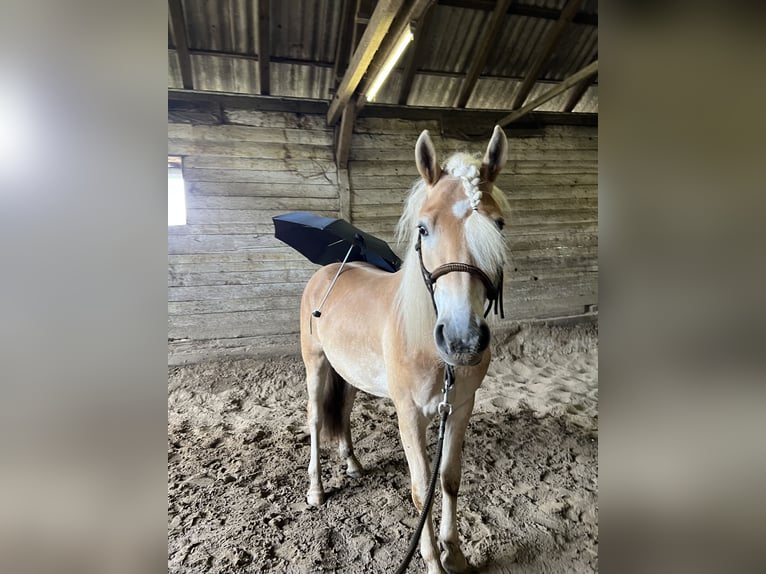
485 243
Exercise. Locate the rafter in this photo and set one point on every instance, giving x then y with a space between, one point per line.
577 93
580 76
264 46
416 55
412 13
520 9
488 40
182 45
544 51
344 47
373 36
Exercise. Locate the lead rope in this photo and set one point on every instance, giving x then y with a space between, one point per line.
445 409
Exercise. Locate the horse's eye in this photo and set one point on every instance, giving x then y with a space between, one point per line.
500 223
422 230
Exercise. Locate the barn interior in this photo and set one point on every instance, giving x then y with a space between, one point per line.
280 106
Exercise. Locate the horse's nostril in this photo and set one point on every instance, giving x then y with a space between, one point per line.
483 336
441 342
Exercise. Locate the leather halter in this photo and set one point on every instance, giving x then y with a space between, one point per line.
493 291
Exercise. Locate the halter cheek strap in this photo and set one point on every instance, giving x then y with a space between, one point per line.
494 292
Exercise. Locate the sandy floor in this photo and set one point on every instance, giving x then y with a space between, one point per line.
238 452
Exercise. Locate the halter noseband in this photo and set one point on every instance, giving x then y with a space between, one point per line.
494 292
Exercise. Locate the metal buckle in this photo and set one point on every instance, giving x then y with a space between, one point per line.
444 406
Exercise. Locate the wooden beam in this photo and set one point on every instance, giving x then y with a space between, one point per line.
416 55
544 51
521 9
264 46
343 135
182 45
344 47
481 53
577 93
412 13
373 36
572 80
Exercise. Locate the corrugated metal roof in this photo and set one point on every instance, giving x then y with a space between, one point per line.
222 37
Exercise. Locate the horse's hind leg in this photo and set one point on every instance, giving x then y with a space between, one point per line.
345 445
317 375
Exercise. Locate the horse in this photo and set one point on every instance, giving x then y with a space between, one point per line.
392 336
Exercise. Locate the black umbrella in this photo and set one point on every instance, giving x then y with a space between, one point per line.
324 240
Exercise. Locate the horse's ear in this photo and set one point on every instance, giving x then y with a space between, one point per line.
494 157
425 159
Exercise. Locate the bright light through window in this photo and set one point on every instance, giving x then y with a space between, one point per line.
176 195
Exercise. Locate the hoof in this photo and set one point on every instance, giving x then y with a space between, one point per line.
355 472
315 498
452 558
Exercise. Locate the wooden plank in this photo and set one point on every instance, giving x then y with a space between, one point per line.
251 265
182 45
249 175
402 183
572 80
220 292
261 119
373 36
265 189
229 325
343 135
254 102
189 352
233 305
179 244
230 133
544 51
257 163
260 203
194 112
207 279
262 216
261 256
344 186
264 46
186 146
481 52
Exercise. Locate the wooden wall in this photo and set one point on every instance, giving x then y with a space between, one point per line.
234 290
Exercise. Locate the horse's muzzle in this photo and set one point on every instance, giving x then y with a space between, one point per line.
464 348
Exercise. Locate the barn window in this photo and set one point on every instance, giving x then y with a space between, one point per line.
176 194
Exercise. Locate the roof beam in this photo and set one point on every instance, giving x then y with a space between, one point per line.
412 13
488 39
344 47
373 36
416 55
572 80
578 92
544 51
519 9
182 45
264 46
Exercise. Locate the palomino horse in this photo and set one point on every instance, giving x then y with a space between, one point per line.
384 333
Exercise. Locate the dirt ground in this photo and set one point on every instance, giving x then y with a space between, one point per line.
238 452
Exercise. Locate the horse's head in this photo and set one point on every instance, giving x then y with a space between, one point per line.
459 222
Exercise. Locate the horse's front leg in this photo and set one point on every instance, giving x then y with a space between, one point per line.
412 428
452 557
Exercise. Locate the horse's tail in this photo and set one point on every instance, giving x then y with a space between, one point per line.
334 404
